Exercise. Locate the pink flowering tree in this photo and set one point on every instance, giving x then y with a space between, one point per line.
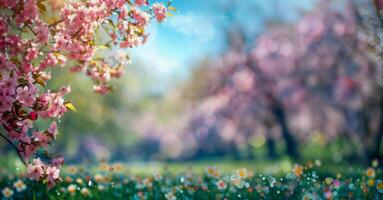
37 35
371 20
316 75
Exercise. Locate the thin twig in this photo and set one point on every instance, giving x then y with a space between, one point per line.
55 23
13 145
30 28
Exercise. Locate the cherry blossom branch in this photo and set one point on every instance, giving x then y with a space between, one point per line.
55 44
13 145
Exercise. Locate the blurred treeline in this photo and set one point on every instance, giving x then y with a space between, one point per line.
311 88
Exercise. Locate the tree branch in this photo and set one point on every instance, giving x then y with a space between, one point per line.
13 145
55 23
30 28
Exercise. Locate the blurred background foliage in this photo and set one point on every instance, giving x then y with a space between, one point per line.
295 79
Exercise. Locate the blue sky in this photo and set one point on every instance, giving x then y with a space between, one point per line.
197 31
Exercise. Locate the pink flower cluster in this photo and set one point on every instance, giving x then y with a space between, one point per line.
38 170
76 34
159 11
26 58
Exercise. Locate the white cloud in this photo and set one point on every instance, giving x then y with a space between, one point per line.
198 27
153 56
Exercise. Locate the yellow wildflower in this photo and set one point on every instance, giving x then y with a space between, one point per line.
85 192
298 170
7 192
19 185
98 178
371 182
72 169
72 189
79 181
370 172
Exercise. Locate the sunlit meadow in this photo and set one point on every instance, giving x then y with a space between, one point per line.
279 180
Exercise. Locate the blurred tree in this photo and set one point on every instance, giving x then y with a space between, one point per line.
318 69
370 19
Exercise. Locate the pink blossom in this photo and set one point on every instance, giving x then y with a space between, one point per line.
141 2
42 33
52 105
57 162
101 89
336 183
32 53
65 90
113 36
49 61
33 115
76 69
52 173
5 102
27 67
130 41
141 17
28 149
123 14
28 13
25 139
14 44
14 135
8 3
159 11
113 4
42 138
26 94
53 129
8 85
35 170
25 125
3 27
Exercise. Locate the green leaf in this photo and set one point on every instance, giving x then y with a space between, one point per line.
111 23
70 106
15 61
22 81
169 14
58 55
106 46
41 6
140 30
172 8
39 80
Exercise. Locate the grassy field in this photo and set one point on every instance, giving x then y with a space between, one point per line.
281 179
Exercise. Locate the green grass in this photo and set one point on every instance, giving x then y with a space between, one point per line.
260 179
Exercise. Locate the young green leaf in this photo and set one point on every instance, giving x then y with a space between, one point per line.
70 106
39 80
172 8
40 4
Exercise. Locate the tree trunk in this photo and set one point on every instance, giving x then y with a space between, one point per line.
236 152
354 134
270 144
378 140
291 144
249 152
